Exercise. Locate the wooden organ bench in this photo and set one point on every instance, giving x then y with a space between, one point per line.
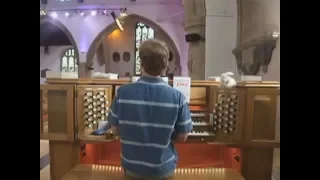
233 130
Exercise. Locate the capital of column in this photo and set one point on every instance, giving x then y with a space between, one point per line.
194 13
199 21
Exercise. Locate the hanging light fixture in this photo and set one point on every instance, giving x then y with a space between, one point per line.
117 21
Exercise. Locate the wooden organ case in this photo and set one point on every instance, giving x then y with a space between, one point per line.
232 128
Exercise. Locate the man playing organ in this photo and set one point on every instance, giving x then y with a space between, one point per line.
147 115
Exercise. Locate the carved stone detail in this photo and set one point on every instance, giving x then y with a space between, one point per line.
255 55
255 42
197 62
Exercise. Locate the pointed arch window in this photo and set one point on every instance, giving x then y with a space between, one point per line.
142 33
69 61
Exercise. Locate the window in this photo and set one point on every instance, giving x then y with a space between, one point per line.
143 32
69 61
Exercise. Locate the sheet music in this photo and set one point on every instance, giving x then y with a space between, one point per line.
183 84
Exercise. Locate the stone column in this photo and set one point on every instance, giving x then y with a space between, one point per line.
194 21
106 55
82 72
82 69
257 36
221 35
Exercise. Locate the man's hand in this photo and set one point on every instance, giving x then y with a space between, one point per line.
113 130
112 133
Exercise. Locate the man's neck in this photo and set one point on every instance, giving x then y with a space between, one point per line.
148 75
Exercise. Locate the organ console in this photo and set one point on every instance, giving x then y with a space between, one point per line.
232 128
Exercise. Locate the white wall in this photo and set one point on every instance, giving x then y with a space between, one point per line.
51 61
221 36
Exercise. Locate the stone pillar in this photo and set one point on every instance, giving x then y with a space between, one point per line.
100 55
82 69
221 35
107 55
194 21
257 36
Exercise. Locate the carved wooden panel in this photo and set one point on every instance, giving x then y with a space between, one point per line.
198 96
56 112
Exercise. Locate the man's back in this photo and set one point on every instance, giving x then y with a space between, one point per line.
147 113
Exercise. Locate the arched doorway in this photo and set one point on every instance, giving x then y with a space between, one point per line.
133 21
56 41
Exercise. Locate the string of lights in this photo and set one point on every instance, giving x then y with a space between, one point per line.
83 12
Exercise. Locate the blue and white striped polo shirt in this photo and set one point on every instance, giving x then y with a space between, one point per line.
147 113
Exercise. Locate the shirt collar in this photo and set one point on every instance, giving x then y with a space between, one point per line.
151 79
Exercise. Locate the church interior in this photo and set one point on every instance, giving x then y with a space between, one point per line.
236 130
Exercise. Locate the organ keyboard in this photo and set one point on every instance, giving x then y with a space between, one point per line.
197 114
201 121
199 133
196 123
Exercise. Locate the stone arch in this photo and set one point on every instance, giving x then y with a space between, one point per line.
48 19
111 27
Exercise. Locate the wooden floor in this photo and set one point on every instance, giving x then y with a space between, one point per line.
45 172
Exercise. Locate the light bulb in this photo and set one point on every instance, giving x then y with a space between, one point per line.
54 15
93 13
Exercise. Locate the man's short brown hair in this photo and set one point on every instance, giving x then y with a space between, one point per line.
154 55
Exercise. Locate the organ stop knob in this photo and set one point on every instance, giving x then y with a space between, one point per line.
224 113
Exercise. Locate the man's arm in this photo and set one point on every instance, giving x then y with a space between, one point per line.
113 117
184 124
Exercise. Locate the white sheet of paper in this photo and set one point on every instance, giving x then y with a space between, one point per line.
183 84
102 123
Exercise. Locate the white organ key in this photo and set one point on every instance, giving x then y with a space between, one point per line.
198 115
199 123
199 133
